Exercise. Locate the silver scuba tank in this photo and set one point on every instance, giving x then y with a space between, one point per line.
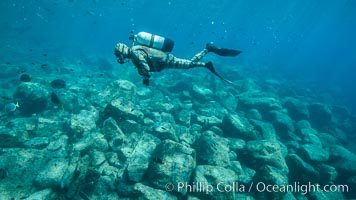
154 41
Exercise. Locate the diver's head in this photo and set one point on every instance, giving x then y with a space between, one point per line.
122 52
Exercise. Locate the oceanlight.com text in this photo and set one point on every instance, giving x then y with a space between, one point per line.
237 187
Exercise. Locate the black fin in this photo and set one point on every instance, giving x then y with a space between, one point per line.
227 52
210 66
222 51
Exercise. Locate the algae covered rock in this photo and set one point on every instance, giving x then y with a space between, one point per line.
263 102
171 162
297 109
212 150
265 152
320 115
214 179
145 192
122 109
268 175
83 122
32 97
313 153
201 93
302 171
140 158
236 126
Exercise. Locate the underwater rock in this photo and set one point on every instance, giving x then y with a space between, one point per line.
85 144
297 109
37 142
269 175
57 174
98 158
237 145
47 194
263 102
120 109
184 117
130 126
113 133
58 84
265 152
320 115
144 93
47 126
309 136
253 114
313 153
145 192
140 158
12 137
228 100
171 162
343 160
282 123
206 121
238 127
83 122
212 150
244 174
328 174
32 97
58 144
301 171
216 176
201 93
265 130
165 131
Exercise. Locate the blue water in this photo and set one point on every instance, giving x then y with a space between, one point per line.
302 40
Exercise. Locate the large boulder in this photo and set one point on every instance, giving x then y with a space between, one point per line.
236 126
263 102
302 171
265 152
297 109
15 132
201 93
214 182
320 115
171 162
313 153
268 175
142 191
140 158
83 122
122 109
228 100
282 123
32 97
58 173
212 150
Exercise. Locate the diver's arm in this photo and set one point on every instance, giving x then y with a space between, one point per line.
140 61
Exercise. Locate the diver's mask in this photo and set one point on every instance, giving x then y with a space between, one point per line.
122 52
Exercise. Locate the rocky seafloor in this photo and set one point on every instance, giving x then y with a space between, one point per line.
184 137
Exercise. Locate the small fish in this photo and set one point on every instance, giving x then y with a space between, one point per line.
11 107
58 84
43 66
55 99
25 78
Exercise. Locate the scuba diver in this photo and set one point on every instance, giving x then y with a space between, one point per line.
151 54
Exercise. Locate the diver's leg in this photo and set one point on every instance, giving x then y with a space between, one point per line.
199 55
178 63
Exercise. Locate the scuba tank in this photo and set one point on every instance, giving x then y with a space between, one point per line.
154 41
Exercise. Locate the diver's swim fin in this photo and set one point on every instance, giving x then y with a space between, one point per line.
222 51
210 66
